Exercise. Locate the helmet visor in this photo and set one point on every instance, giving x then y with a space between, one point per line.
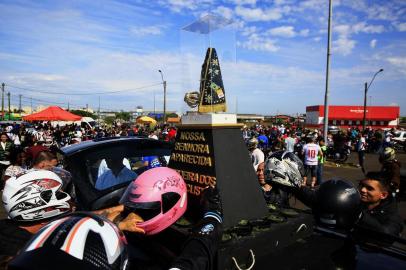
146 210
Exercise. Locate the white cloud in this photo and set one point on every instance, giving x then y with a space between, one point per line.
343 45
317 39
258 14
342 29
247 31
397 61
364 28
258 43
304 32
146 30
243 2
372 44
313 4
283 31
401 26
382 12
179 5
361 27
224 11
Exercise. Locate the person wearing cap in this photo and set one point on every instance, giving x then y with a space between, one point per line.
257 156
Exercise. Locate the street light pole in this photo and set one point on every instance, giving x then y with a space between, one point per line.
327 93
366 87
164 84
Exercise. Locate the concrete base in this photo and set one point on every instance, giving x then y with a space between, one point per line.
208 118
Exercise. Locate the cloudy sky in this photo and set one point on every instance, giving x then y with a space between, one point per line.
272 53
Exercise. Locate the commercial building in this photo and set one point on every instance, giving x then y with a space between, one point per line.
350 116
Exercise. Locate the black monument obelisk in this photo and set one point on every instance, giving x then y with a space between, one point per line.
209 150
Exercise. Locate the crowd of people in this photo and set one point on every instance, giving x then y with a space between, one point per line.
313 149
42 221
286 165
21 142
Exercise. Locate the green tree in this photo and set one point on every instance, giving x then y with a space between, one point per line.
126 116
84 113
109 120
172 115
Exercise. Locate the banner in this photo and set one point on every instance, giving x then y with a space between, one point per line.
212 94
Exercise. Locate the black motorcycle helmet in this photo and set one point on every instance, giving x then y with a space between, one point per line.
77 241
338 204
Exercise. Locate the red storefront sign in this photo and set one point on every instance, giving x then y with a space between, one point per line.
376 113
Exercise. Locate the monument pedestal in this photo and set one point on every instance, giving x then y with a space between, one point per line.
209 150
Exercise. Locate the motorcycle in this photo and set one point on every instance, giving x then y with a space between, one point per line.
399 146
338 155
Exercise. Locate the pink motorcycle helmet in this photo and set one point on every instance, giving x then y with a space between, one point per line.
158 196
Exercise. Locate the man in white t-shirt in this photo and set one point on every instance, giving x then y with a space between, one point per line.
290 143
361 146
257 156
311 151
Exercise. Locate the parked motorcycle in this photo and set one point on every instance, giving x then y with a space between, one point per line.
338 155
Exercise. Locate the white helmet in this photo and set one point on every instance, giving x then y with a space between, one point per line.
34 196
285 172
78 241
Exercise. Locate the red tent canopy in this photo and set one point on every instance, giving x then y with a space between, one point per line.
52 113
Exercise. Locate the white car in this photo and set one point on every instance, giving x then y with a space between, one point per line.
400 136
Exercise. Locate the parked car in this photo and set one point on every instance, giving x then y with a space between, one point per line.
333 129
399 136
87 162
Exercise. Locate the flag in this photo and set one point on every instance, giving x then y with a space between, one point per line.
212 95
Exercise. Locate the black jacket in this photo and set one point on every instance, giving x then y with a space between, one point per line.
392 171
12 239
200 249
383 218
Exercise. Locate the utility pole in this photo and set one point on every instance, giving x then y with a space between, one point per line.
2 101
366 87
365 106
98 120
325 126
68 105
19 103
9 108
164 83
164 102
154 105
31 104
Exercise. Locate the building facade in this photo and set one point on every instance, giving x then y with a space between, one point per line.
352 116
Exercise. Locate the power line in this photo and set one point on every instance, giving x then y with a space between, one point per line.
82 94
49 102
